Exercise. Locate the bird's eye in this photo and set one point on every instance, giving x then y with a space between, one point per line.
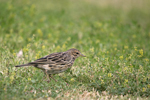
77 53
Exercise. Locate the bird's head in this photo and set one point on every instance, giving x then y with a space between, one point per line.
75 53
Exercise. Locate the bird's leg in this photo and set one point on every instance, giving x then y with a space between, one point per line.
52 78
48 80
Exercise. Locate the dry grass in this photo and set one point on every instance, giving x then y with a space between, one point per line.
79 94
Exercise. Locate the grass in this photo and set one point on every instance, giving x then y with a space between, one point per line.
116 43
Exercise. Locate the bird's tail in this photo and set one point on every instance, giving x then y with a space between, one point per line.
23 65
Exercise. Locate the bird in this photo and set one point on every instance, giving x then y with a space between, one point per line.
55 63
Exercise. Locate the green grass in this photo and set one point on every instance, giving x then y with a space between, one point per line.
116 43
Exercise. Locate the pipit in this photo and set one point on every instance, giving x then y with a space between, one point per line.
56 62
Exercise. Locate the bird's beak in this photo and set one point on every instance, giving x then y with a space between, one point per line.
82 55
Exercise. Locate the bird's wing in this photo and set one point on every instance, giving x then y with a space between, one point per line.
55 58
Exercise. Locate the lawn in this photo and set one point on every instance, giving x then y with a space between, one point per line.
115 39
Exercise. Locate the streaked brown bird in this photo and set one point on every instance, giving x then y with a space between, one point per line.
56 62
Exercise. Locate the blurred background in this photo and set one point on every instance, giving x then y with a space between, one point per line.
121 4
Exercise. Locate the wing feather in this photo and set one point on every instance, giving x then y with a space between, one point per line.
54 58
